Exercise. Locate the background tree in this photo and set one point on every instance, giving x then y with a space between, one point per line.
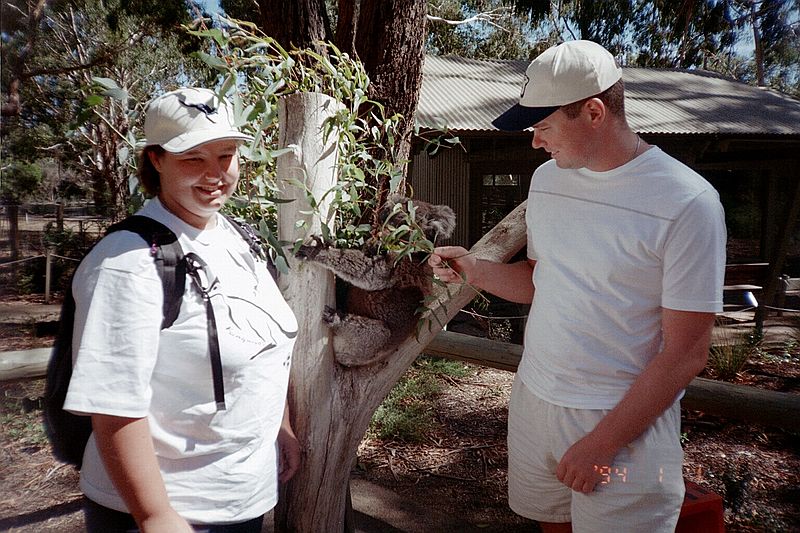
52 57
386 36
483 29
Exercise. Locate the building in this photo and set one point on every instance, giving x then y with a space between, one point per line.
745 140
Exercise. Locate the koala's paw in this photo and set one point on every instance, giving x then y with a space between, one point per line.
331 317
311 248
354 359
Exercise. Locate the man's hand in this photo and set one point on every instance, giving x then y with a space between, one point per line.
584 465
449 263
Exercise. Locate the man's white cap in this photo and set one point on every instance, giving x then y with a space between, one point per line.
559 76
186 118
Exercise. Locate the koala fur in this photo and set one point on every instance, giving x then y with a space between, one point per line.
383 294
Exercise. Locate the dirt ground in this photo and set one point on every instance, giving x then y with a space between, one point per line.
460 466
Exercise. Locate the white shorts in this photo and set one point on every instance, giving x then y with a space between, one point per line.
642 491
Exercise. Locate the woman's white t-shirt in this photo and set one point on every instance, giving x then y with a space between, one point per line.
218 466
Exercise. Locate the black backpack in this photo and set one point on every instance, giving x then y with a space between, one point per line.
68 433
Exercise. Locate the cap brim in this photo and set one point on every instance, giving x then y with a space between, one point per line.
520 117
193 139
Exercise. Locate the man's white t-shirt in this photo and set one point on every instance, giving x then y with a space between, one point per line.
612 249
218 466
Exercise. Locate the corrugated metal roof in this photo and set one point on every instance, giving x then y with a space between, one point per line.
467 94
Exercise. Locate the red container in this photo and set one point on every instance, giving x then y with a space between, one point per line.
701 511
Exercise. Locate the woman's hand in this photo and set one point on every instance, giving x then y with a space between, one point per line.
288 448
168 522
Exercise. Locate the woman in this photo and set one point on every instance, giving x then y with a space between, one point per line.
164 456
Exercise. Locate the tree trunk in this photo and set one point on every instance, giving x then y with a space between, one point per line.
13 231
299 22
389 42
13 104
759 49
315 497
332 404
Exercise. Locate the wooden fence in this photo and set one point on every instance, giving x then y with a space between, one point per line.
738 402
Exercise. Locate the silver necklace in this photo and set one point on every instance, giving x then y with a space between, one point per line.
638 144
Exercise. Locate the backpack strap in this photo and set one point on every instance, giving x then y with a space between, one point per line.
253 240
202 278
168 255
173 266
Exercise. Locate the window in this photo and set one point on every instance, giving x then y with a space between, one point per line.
500 194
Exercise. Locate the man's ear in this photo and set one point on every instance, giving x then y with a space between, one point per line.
596 110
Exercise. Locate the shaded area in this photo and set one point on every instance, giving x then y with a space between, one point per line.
41 515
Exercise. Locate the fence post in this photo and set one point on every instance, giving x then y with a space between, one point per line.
47 269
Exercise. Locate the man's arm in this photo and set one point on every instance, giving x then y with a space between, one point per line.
510 281
686 341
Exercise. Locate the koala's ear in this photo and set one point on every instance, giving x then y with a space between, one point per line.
442 220
388 208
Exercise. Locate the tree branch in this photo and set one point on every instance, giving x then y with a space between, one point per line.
489 17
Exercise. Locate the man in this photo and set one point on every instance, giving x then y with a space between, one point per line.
626 255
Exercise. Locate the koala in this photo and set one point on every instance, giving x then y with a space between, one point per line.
384 294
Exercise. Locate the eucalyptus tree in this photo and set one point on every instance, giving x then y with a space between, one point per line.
386 36
60 61
484 29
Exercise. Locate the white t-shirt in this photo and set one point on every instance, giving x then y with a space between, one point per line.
218 466
612 249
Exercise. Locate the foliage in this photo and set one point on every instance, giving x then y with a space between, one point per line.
708 34
405 414
256 73
62 242
23 427
501 33
51 65
19 181
730 351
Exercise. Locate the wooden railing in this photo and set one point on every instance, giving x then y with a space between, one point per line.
738 402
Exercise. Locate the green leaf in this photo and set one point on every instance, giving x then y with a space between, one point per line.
281 264
117 94
229 82
93 100
106 83
122 154
211 61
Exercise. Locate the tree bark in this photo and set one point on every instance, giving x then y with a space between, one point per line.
299 23
332 404
389 42
314 499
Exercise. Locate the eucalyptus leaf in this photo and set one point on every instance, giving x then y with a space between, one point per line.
105 83
211 61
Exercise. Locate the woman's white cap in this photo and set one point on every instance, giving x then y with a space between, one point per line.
186 118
